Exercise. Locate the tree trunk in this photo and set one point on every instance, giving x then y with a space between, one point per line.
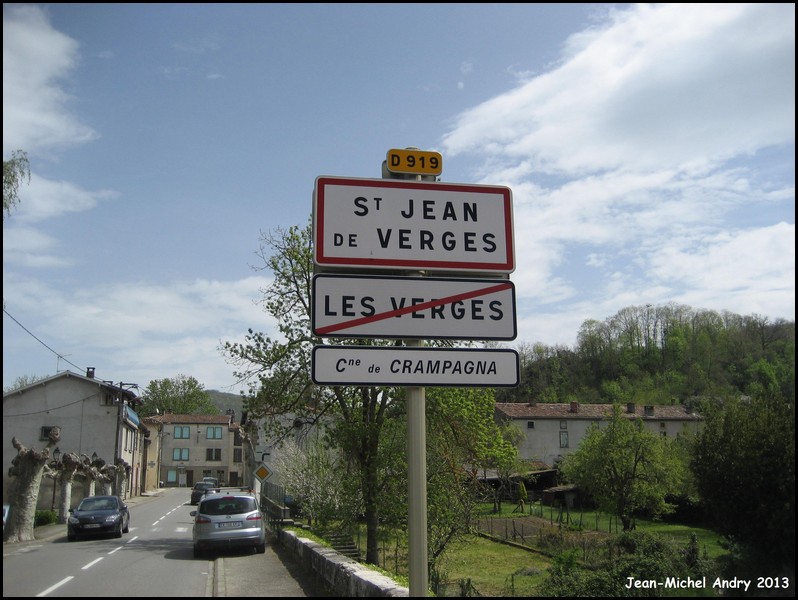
64 500
371 513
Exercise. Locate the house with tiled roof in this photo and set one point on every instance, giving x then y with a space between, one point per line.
552 431
195 446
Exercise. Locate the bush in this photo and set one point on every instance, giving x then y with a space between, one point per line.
45 517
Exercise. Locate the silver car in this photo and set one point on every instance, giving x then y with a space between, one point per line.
228 520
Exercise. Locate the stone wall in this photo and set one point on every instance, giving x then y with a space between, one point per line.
342 576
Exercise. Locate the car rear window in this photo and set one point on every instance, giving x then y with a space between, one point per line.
232 505
98 504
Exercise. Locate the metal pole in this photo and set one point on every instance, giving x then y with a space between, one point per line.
417 484
417 487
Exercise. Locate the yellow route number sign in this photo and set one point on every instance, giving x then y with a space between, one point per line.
414 162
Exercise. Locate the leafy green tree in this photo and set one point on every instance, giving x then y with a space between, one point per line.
637 555
368 423
15 171
462 434
278 371
625 468
744 467
315 476
181 395
522 496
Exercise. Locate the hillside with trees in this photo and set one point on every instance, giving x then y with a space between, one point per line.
661 355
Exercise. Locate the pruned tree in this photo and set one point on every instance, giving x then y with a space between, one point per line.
63 473
26 472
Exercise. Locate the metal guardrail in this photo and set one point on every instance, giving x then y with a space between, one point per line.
272 501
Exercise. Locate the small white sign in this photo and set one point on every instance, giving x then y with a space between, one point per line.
401 224
403 366
413 307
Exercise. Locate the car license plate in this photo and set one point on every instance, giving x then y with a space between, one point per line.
230 524
91 525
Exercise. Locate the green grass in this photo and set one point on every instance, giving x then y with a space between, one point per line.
495 569
708 540
503 570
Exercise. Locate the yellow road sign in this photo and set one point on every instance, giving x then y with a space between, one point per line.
262 472
414 162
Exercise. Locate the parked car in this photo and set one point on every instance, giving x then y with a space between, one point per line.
211 480
199 490
228 520
96 515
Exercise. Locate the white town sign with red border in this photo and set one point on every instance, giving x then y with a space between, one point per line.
401 224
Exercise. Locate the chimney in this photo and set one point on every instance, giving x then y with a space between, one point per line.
533 403
630 408
90 372
648 410
574 407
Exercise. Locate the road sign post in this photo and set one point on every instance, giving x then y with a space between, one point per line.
408 222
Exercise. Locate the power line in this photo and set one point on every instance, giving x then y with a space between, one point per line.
60 356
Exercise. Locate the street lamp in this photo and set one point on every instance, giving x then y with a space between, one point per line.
57 463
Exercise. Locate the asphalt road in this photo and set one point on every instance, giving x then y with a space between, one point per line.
236 573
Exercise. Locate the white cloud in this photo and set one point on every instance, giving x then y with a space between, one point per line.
634 164
46 199
664 86
146 331
28 247
36 60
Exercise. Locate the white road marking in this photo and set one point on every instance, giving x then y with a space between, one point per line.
91 564
55 587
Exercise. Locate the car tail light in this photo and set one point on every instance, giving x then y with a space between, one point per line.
201 519
256 517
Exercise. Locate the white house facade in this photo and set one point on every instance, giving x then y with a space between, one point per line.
552 431
195 446
96 418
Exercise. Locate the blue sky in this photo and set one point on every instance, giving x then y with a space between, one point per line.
650 150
